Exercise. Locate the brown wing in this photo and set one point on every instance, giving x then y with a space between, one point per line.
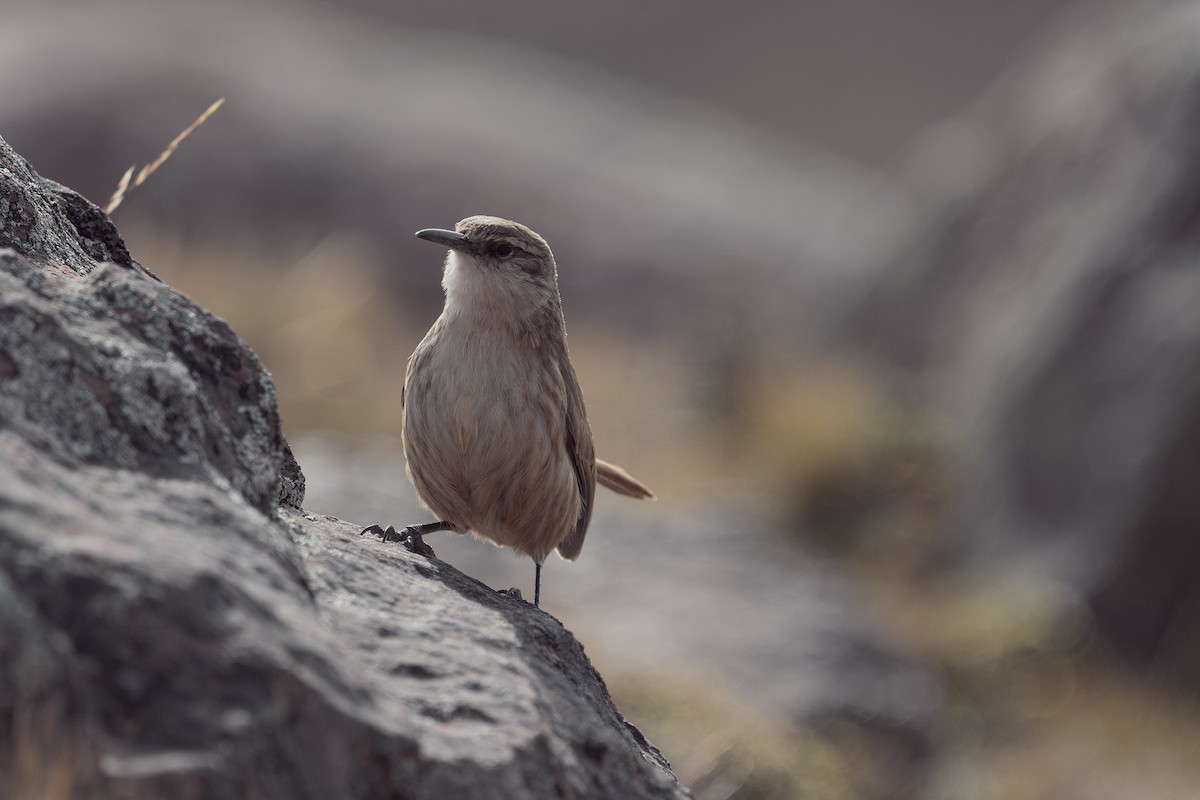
583 458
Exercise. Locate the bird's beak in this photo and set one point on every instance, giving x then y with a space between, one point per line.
451 239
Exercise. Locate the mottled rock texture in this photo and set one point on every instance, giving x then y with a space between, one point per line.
172 625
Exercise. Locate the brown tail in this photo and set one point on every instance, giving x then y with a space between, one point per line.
612 477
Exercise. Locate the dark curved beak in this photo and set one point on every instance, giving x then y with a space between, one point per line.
451 239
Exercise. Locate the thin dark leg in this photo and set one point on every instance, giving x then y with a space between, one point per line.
391 534
537 584
430 527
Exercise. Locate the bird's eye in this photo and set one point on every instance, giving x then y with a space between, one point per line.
504 250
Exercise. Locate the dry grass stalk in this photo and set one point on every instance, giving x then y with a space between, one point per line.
125 184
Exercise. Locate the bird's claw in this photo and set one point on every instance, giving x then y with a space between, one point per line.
410 537
415 542
514 593
385 535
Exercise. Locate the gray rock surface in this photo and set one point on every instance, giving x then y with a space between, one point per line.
1051 309
105 364
168 629
709 597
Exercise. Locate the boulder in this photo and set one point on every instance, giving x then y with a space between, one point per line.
172 624
707 599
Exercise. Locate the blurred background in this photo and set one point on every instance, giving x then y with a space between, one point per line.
893 304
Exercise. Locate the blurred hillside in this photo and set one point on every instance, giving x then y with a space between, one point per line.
694 135
668 157
893 304
858 78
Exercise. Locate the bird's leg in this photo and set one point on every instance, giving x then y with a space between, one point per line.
537 587
412 535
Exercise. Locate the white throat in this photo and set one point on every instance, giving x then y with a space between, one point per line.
486 295
459 287
469 289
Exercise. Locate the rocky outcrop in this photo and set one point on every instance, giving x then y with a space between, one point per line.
1051 309
171 624
703 600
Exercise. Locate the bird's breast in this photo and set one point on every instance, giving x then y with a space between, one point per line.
485 437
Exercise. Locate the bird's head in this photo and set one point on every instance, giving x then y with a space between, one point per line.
496 266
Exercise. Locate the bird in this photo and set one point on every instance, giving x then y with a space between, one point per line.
496 436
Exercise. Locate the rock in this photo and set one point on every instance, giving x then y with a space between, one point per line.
107 365
701 597
1050 309
172 625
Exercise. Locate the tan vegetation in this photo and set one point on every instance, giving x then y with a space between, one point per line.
128 182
